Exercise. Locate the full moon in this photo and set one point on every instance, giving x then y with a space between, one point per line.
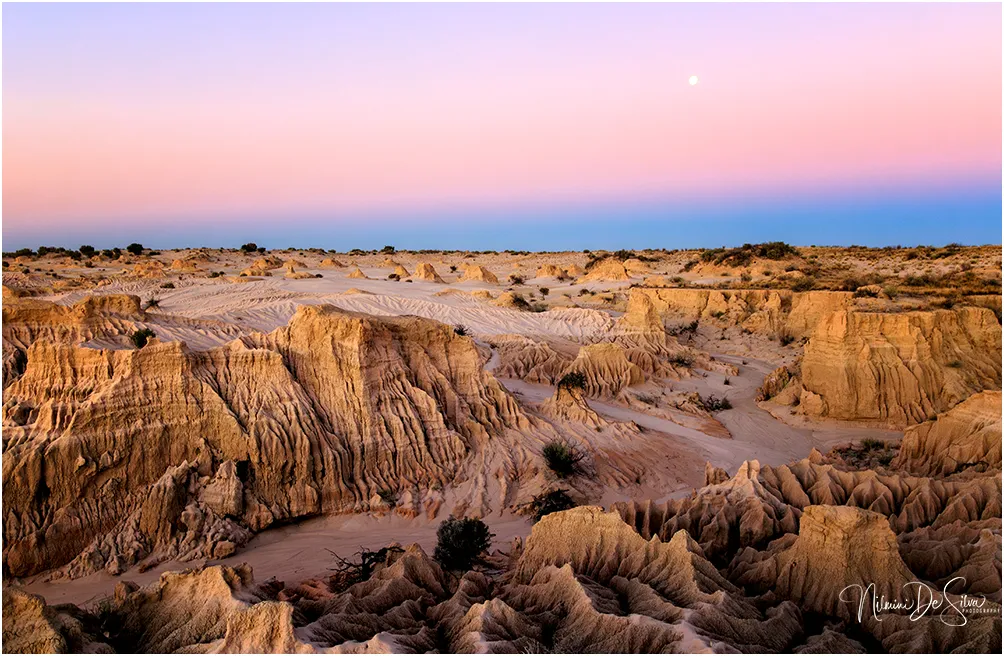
693 80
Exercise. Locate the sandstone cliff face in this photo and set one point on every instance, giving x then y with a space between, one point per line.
944 528
32 627
967 436
759 503
641 332
529 360
27 320
769 312
317 417
899 368
635 347
842 559
606 369
835 547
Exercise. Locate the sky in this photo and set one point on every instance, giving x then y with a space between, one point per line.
537 127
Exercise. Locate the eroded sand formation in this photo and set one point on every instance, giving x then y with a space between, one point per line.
259 405
331 381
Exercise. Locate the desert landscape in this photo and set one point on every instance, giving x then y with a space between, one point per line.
259 450
501 327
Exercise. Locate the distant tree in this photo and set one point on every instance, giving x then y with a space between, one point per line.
544 291
249 247
87 251
387 250
135 249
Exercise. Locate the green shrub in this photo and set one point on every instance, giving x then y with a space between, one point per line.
87 251
712 403
141 337
460 329
167 285
803 284
516 279
460 542
683 329
563 458
135 249
785 337
250 247
548 502
742 256
544 291
520 303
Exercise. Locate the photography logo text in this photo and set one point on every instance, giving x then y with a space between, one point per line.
920 600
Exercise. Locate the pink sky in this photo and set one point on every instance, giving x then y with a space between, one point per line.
790 100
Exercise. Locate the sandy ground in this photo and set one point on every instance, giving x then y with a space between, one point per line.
290 553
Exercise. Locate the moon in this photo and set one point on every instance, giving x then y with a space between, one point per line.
693 80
